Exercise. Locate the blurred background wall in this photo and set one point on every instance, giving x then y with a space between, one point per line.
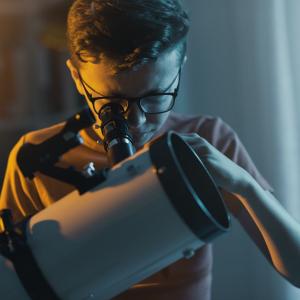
243 65
35 87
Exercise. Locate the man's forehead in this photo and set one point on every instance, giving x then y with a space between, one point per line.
155 75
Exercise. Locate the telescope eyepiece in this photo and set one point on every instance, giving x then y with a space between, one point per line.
118 142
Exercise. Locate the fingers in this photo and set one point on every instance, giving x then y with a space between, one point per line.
201 146
194 137
211 157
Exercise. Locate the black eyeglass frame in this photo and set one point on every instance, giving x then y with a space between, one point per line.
132 99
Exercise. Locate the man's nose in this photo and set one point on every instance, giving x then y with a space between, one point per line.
135 116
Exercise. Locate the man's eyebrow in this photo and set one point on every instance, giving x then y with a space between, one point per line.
159 91
117 94
149 92
155 90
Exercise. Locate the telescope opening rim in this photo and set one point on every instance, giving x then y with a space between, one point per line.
185 177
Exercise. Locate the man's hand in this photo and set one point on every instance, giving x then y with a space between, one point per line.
227 174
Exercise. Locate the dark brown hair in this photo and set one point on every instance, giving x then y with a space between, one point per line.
130 32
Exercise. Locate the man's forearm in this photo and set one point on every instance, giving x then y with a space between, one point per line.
280 232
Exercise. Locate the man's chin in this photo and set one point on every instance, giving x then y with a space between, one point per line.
141 140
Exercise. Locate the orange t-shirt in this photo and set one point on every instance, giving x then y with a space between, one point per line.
183 280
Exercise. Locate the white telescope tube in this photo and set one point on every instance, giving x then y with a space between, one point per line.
97 245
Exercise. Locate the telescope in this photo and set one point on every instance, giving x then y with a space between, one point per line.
150 209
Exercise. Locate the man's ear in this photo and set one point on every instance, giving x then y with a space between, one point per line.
184 61
75 76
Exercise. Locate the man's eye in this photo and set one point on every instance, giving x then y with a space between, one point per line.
157 99
101 102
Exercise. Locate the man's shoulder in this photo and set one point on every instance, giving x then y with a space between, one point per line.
208 126
40 135
35 137
189 118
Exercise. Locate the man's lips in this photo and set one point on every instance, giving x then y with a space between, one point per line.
141 135
139 132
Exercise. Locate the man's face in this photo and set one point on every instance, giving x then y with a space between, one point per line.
153 77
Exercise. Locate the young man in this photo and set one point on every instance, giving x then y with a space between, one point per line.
132 52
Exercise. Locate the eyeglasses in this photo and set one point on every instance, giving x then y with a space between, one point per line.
152 103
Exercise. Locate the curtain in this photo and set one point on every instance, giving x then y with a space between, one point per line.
244 65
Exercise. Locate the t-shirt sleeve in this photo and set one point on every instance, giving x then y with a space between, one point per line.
225 139
18 193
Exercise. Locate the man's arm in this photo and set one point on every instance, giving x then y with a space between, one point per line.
18 193
269 225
